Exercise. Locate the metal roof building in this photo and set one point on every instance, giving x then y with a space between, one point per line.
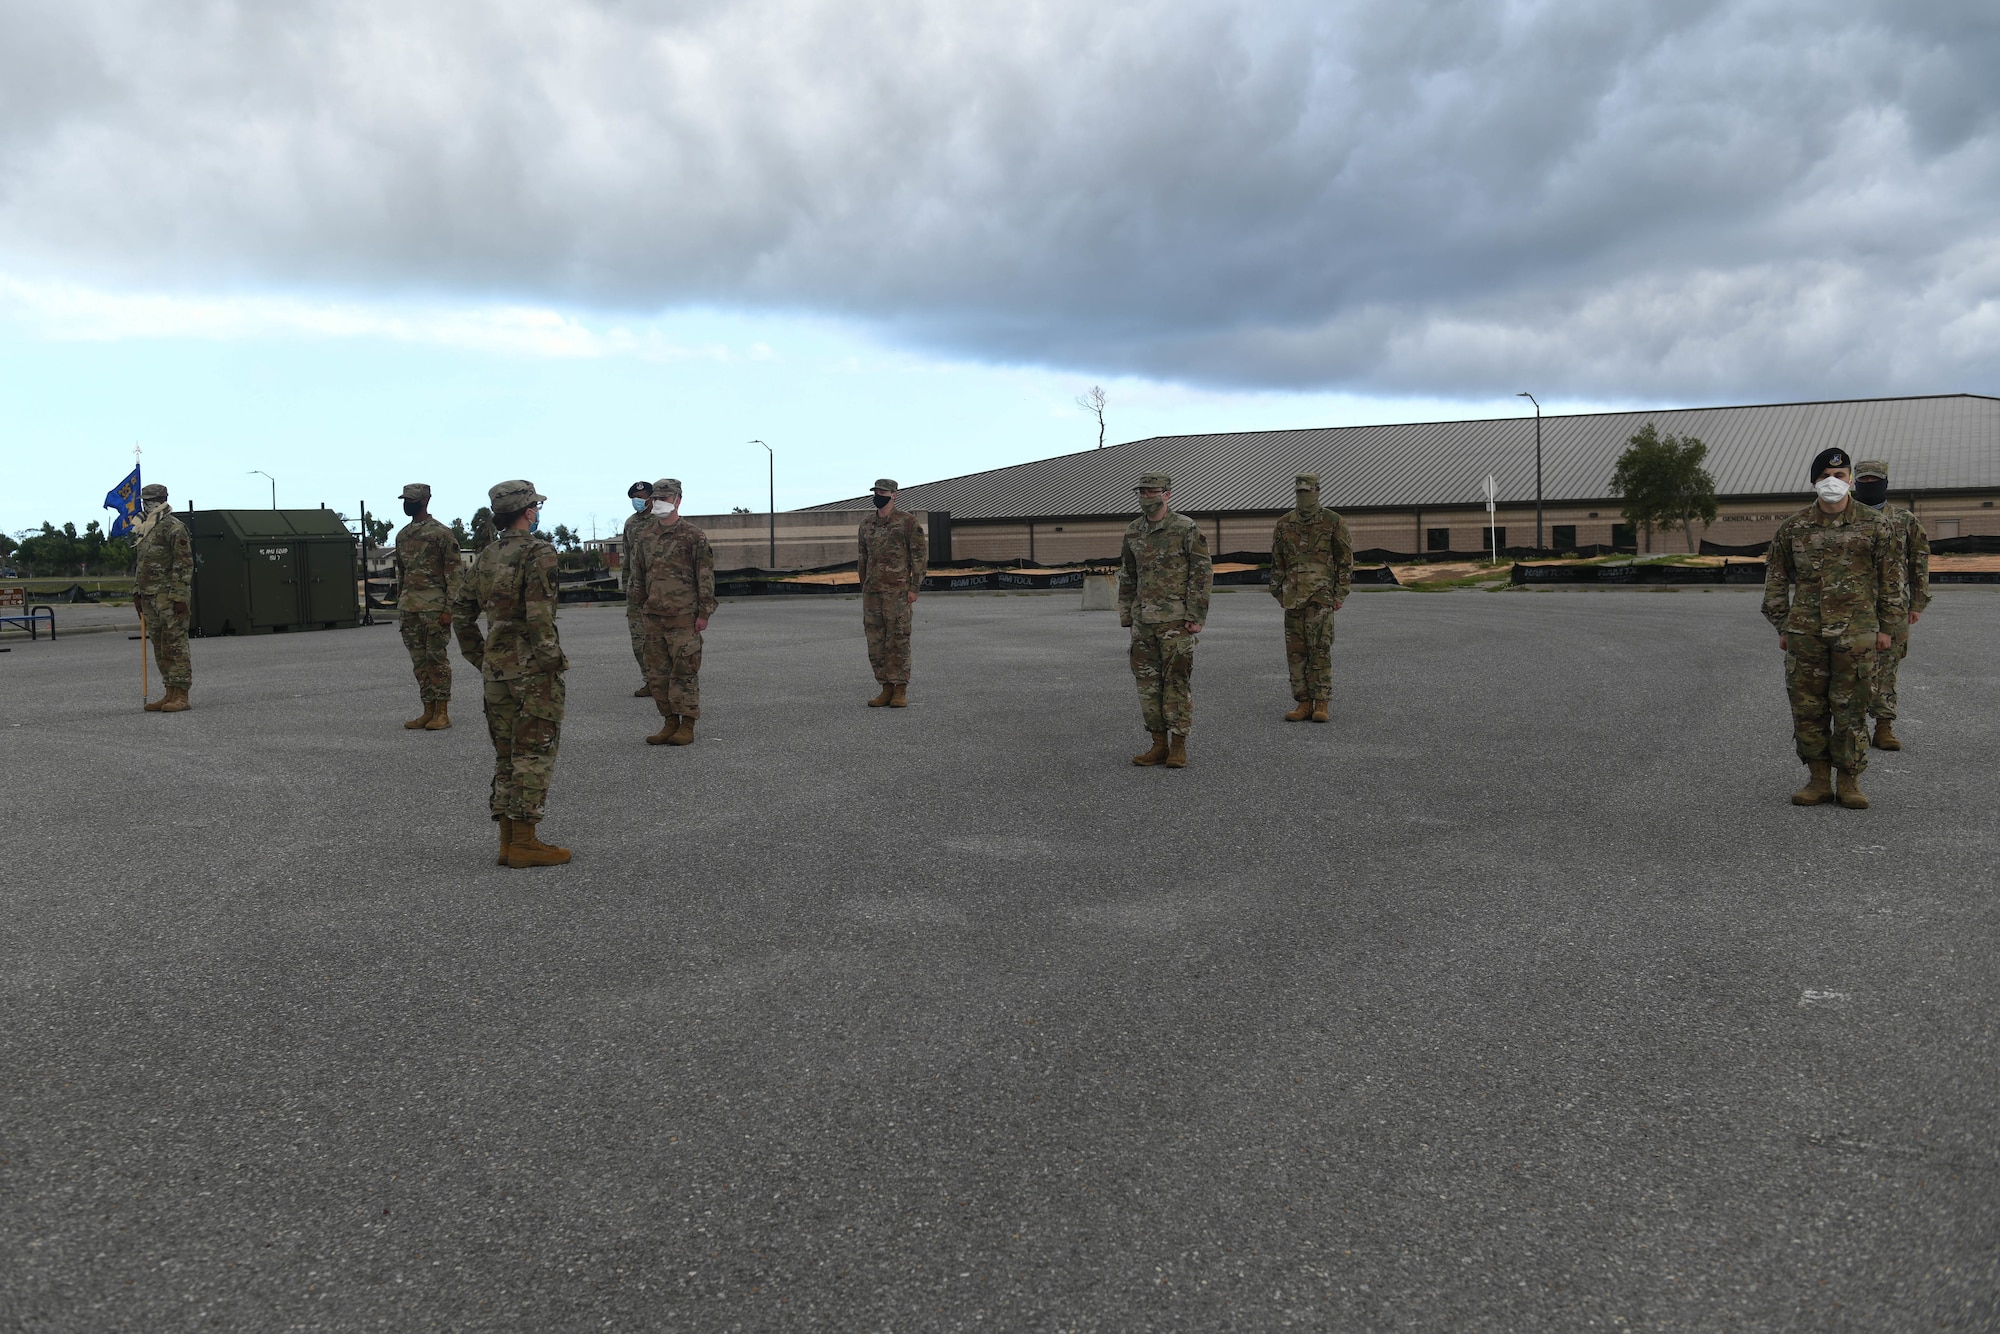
1943 450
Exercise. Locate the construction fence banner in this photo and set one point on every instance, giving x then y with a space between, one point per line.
1984 545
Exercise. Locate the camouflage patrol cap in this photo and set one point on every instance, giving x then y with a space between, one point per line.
668 486
1828 458
418 492
885 484
1306 481
1872 468
513 497
1154 481
154 491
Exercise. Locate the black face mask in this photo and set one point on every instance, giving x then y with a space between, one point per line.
1872 491
880 499
412 508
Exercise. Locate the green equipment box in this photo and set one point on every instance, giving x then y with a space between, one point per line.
260 572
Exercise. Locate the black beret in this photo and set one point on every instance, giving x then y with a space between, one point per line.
1829 458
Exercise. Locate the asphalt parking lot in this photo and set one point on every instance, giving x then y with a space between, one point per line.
1517 997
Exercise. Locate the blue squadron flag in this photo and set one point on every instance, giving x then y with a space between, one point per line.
124 498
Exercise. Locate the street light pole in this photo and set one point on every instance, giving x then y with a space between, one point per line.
1538 466
274 485
774 501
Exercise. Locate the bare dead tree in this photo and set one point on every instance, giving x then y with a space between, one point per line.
1093 403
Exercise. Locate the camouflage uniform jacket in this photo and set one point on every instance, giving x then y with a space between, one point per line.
627 547
672 571
893 555
1164 573
514 582
1312 557
164 561
1913 554
1846 571
428 566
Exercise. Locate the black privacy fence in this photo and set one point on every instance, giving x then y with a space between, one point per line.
1739 572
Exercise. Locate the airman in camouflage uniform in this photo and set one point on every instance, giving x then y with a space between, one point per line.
641 496
521 658
892 561
428 568
164 564
1312 568
1834 592
672 579
1913 555
1164 582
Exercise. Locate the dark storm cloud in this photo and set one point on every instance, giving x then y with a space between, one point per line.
1451 198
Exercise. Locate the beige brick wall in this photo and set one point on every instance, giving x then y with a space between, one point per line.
1740 523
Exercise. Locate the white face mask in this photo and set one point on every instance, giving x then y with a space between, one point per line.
665 506
1832 489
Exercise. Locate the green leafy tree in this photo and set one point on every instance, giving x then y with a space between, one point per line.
53 551
7 546
459 535
483 531
379 531
1664 484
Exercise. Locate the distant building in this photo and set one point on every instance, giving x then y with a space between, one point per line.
1419 487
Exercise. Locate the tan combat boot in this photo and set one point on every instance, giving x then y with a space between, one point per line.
888 693
899 697
669 724
1885 736
1319 711
526 850
1302 711
506 839
1177 753
176 700
1156 754
683 734
440 719
1819 787
155 705
418 724
1850 792
643 692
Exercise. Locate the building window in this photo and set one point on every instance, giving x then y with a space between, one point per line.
1623 537
1437 539
1563 536
1494 537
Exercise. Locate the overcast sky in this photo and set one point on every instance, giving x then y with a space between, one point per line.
1233 214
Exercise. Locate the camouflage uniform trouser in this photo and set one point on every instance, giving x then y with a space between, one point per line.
1163 665
636 623
673 664
169 634
885 618
1309 651
1882 700
524 717
1829 681
427 640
